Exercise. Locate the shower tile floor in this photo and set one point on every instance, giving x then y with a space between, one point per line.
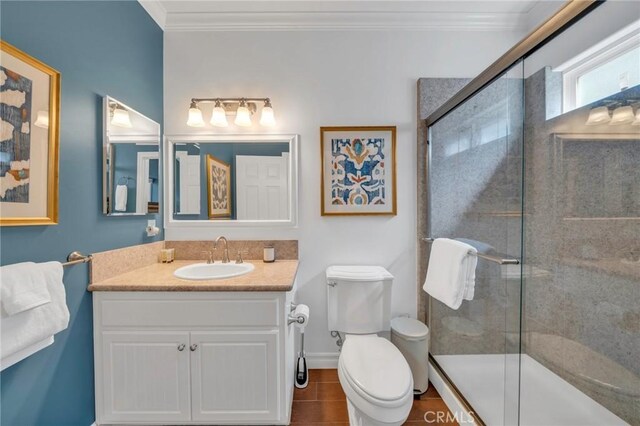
323 403
546 398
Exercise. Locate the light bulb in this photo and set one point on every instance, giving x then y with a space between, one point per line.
267 118
195 116
243 116
599 115
42 119
219 116
121 117
622 115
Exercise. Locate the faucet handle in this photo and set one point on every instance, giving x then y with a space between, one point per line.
209 255
239 257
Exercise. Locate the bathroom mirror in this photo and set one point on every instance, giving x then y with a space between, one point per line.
131 161
232 180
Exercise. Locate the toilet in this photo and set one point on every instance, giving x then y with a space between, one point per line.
373 373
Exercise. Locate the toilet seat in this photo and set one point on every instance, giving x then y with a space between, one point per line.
376 378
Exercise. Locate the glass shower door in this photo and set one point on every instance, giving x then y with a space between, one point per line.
475 177
581 318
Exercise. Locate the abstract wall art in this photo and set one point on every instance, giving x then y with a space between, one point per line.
218 188
29 117
358 170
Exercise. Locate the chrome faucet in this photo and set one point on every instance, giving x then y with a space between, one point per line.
225 254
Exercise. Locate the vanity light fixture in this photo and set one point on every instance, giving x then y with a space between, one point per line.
267 118
241 108
195 116
243 115
599 115
219 116
622 115
120 117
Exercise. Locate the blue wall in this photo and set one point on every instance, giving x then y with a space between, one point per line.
100 48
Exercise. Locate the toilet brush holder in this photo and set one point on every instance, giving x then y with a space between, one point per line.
300 317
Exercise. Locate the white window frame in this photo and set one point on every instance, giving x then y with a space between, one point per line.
608 50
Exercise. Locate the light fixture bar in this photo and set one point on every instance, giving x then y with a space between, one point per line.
214 100
242 108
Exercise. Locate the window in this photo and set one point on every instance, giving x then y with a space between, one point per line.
603 70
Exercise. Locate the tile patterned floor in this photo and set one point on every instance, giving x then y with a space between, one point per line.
323 403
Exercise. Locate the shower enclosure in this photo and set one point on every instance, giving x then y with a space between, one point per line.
538 166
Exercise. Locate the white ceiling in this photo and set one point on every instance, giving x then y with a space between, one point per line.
238 15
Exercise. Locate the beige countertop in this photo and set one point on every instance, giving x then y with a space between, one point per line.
276 276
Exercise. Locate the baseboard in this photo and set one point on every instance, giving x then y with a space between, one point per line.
322 360
457 408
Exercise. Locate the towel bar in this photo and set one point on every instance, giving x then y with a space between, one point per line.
76 257
495 259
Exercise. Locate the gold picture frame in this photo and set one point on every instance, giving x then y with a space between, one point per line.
355 180
218 188
33 203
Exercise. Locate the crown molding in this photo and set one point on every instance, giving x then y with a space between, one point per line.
345 21
156 10
313 15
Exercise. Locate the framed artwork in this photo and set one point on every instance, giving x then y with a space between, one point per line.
29 131
218 188
358 170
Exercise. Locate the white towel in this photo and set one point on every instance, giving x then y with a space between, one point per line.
22 287
121 198
483 248
27 328
451 274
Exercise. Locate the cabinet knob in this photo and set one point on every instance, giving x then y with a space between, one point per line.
181 347
193 347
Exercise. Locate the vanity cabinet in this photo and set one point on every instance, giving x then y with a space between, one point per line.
193 357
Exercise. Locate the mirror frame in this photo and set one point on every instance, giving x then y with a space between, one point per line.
168 181
107 139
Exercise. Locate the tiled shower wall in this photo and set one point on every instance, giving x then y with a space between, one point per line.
582 230
581 293
476 186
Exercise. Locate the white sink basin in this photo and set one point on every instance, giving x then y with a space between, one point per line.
213 271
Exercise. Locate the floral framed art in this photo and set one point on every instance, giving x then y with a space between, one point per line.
29 132
218 188
358 170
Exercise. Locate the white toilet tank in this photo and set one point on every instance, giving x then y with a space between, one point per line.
359 299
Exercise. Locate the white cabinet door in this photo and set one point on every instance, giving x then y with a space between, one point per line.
235 376
145 376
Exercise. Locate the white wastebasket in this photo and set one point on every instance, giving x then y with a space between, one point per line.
412 338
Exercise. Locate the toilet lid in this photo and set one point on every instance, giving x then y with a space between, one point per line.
375 367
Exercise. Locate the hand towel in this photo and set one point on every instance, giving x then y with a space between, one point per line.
121 198
483 248
22 287
451 273
27 328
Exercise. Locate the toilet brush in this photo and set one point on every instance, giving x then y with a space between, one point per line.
302 373
301 318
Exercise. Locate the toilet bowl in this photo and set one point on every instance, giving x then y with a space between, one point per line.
373 373
377 381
